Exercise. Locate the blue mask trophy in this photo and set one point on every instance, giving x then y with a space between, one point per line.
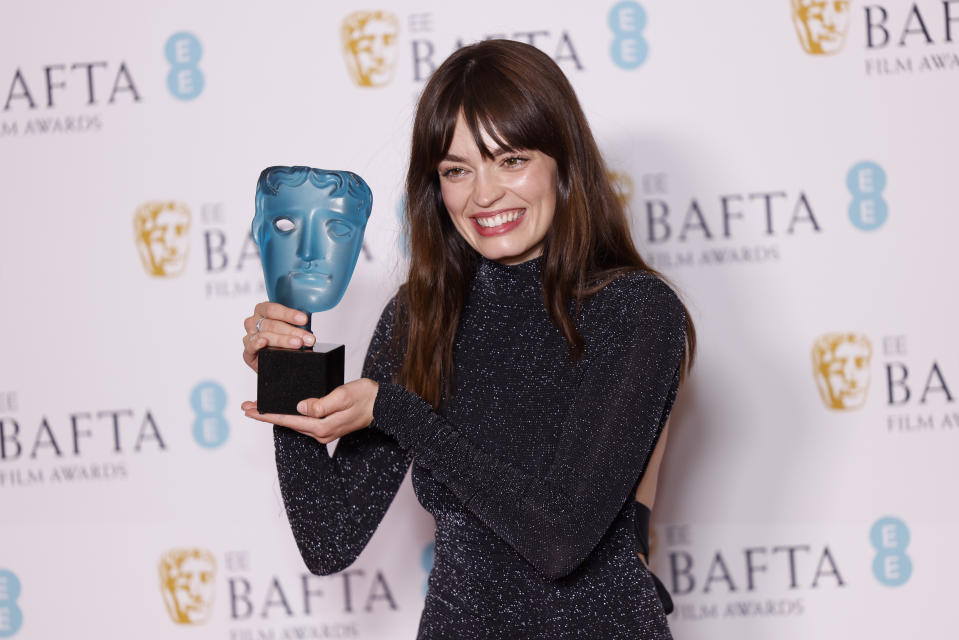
308 227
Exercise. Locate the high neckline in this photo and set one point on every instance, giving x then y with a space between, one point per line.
533 266
510 285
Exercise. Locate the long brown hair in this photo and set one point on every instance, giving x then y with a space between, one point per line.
522 100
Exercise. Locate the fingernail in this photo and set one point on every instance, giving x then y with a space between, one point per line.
309 339
300 318
301 406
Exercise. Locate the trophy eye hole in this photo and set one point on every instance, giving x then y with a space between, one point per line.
339 230
284 225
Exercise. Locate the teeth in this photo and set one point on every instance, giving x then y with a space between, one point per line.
498 219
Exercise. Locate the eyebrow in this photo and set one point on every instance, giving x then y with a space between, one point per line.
495 152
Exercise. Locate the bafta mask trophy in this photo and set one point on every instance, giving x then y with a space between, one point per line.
308 227
841 367
821 24
188 584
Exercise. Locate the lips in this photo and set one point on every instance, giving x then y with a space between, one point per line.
314 277
493 223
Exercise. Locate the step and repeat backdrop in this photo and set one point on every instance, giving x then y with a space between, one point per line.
790 165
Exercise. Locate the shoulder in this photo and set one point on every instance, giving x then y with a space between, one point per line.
390 310
637 297
636 312
389 318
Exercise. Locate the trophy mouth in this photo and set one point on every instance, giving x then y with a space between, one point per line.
315 277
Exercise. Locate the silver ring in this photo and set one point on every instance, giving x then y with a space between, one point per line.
259 322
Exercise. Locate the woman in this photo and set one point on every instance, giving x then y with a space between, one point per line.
527 367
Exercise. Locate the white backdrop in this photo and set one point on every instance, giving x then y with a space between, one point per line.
787 166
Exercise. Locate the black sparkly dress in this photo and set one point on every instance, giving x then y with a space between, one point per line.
530 472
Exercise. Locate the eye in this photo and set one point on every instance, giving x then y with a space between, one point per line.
453 172
339 230
284 225
514 162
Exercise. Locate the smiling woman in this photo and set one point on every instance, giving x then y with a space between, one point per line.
527 368
502 203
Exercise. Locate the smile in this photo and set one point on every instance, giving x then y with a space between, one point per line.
495 223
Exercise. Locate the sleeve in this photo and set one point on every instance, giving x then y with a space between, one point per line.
631 373
334 504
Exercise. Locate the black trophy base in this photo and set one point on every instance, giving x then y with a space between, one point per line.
287 376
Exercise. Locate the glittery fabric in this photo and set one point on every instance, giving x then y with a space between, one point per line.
530 473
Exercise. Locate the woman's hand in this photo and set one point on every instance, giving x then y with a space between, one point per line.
346 409
273 325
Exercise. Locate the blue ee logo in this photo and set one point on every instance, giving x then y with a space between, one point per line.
183 52
890 537
11 618
629 49
868 210
426 561
210 429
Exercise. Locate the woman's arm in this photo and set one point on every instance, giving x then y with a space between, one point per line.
334 504
621 405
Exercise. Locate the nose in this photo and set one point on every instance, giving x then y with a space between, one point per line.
311 240
849 371
486 189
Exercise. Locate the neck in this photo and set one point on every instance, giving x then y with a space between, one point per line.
510 285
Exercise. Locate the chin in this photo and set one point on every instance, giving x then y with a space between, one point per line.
509 254
316 304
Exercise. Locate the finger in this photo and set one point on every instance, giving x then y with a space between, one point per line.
276 326
300 423
257 341
333 402
252 343
308 426
276 311
284 329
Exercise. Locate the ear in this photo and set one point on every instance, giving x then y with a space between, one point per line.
257 220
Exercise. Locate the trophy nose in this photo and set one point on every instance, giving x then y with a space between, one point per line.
311 241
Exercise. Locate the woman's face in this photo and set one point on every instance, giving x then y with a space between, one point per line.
502 206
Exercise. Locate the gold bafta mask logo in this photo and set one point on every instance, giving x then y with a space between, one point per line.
821 24
188 584
841 368
623 186
369 46
161 230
